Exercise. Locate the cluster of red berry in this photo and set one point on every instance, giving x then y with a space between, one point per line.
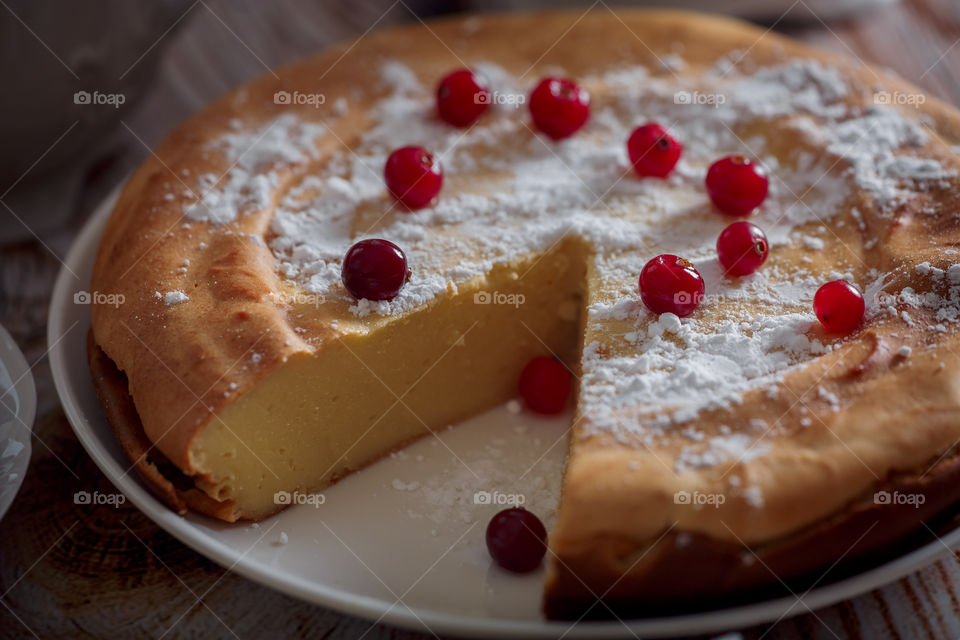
736 186
414 176
376 269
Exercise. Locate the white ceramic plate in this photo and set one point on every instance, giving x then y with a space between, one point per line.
402 541
18 406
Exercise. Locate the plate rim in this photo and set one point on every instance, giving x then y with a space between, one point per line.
21 375
373 609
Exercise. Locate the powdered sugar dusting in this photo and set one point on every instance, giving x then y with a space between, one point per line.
720 449
255 158
171 298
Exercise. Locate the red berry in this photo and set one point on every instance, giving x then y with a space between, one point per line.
517 540
653 151
736 185
413 176
559 107
839 306
462 97
374 269
671 284
742 248
545 385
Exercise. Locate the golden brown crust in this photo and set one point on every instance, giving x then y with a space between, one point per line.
820 476
160 476
690 572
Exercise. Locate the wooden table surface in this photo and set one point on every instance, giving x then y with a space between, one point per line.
70 570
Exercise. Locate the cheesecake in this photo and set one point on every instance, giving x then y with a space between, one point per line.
713 456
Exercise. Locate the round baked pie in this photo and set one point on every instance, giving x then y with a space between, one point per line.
712 457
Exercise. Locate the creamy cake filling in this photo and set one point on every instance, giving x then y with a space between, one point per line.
334 414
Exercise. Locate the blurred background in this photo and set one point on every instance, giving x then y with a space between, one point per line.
92 85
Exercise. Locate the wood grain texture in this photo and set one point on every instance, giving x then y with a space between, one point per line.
69 570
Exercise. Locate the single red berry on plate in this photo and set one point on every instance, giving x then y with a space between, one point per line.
517 540
736 185
671 284
559 107
374 269
462 97
414 176
653 152
839 306
742 247
545 385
